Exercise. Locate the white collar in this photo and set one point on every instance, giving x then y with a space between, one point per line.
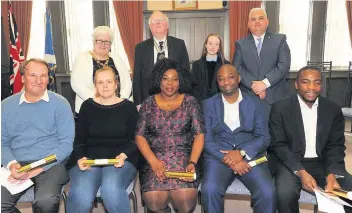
303 104
256 37
239 99
45 98
164 39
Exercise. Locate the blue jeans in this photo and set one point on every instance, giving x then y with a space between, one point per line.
112 181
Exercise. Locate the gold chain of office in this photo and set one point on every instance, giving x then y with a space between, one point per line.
98 61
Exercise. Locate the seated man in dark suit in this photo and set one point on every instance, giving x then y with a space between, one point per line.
307 142
149 51
237 131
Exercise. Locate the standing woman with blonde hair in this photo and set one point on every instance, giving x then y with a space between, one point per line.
205 68
105 130
86 64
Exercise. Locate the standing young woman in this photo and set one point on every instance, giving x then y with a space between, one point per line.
204 69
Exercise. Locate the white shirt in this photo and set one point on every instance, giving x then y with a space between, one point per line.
232 112
265 81
309 117
45 98
256 39
156 51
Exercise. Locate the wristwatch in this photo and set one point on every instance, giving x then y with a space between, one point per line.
242 152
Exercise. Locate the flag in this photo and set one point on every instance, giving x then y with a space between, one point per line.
49 51
16 54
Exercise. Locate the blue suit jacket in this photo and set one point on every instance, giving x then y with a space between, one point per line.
252 135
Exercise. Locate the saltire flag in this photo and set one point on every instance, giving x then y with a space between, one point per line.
16 54
49 51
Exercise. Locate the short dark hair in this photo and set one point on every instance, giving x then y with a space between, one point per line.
299 73
24 64
164 65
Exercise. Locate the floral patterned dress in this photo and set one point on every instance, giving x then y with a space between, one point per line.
170 135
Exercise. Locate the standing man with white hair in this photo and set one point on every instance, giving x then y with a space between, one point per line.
88 62
149 51
263 60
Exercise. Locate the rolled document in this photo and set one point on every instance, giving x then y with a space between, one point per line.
256 162
46 160
342 193
181 175
99 162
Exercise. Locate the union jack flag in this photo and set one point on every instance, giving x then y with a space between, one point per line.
16 54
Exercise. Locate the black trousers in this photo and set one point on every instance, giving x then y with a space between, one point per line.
47 192
288 185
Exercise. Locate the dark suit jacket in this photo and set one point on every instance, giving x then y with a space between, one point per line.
273 64
201 89
144 63
252 135
288 139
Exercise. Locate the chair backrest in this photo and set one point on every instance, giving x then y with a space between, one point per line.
325 67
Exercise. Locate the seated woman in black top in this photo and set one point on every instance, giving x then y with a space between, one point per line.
204 69
105 130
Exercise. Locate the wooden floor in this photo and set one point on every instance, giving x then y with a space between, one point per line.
235 204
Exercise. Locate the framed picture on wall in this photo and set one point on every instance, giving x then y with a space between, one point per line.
185 4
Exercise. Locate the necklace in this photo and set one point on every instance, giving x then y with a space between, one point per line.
98 61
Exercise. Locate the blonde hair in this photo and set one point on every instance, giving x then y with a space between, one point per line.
116 79
103 30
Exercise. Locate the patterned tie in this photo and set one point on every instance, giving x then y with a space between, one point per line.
259 45
161 45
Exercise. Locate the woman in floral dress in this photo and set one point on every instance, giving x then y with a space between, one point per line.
170 135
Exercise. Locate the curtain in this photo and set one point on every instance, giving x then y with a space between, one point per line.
23 15
129 15
349 17
239 11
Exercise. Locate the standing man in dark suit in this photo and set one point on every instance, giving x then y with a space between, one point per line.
153 49
263 59
237 132
307 142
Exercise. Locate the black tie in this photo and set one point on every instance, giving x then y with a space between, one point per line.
161 44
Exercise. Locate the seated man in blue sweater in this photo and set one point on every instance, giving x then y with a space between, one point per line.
36 123
237 131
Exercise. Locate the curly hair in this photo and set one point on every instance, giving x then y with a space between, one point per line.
164 65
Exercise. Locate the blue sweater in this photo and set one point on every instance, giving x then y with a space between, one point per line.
32 131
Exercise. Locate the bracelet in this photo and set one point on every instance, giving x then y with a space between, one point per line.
191 162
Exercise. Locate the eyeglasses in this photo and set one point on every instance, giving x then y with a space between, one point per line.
154 21
103 42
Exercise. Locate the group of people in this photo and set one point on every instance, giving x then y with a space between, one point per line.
215 118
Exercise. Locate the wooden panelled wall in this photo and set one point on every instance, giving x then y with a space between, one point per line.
193 28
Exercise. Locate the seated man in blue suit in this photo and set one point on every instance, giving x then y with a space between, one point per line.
237 131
